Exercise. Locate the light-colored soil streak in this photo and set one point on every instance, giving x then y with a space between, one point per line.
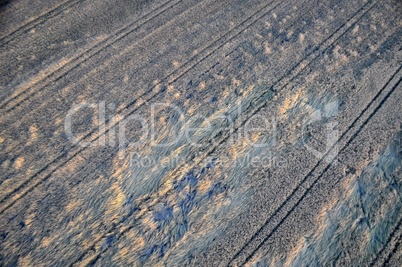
240 62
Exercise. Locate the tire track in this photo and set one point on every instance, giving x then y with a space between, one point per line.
60 156
232 51
322 173
76 61
37 21
176 79
222 41
16 197
289 73
182 169
179 170
77 153
281 206
393 251
91 132
127 49
398 242
122 233
260 107
207 71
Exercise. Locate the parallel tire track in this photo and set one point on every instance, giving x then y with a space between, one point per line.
249 257
397 244
274 39
393 251
77 153
119 111
37 21
123 232
215 45
368 8
79 59
289 73
179 169
132 103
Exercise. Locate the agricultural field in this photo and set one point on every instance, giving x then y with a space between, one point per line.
200 133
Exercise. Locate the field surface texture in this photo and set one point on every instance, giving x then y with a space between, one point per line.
201 133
